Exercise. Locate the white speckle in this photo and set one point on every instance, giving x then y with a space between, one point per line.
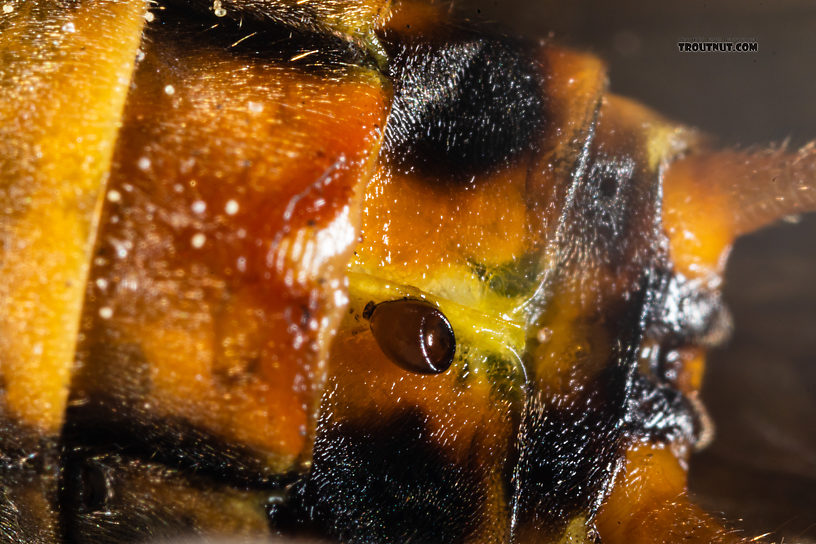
144 163
217 9
199 206
114 196
198 240
149 16
255 107
105 312
140 55
121 247
102 283
130 283
544 335
69 27
241 233
340 300
169 90
231 207
8 8
187 165
241 264
178 187
38 348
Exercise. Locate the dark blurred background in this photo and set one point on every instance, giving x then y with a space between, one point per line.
761 386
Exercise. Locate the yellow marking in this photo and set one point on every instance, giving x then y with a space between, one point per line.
488 332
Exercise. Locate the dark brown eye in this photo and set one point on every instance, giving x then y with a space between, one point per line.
415 335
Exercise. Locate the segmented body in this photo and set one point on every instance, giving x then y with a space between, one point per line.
291 204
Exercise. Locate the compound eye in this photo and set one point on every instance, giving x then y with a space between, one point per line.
415 335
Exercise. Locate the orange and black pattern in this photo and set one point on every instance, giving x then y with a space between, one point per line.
354 271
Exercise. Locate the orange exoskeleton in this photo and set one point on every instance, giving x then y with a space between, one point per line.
353 270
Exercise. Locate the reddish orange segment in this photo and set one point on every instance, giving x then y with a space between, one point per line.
443 237
472 419
218 277
415 231
223 270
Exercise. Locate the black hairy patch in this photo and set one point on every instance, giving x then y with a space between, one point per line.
28 482
254 39
383 480
615 211
27 500
111 498
568 451
570 443
661 413
104 425
463 107
687 312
